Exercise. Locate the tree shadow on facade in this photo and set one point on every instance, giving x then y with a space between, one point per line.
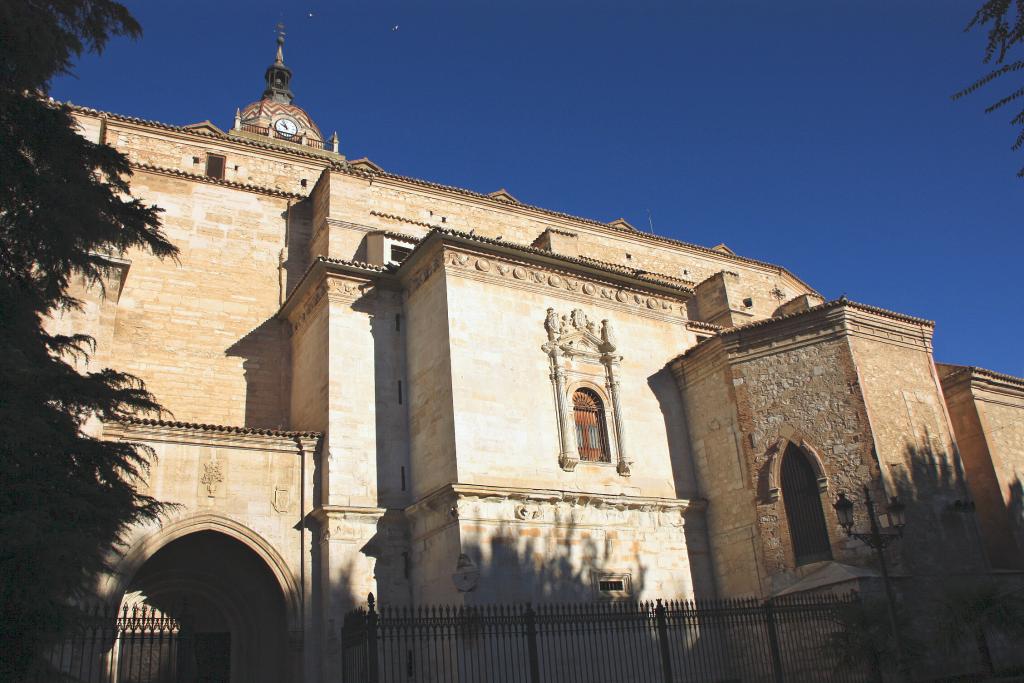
940 537
942 553
552 564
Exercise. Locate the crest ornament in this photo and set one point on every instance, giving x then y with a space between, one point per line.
212 477
578 343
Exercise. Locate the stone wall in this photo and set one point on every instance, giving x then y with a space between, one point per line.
987 410
253 164
852 389
201 331
429 371
550 546
723 477
358 203
506 425
260 482
914 442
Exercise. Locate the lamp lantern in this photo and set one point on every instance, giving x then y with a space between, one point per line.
897 514
844 511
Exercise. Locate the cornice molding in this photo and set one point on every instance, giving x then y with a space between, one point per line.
568 220
980 379
144 429
331 280
285 153
515 505
344 167
898 328
464 261
492 261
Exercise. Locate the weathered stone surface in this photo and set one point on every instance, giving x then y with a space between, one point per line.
434 399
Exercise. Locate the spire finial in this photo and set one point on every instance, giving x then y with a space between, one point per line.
280 43
278 75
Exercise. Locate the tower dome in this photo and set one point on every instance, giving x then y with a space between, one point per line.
275 116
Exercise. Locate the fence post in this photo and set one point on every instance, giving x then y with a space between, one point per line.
661 621
773 641
371 641
531 643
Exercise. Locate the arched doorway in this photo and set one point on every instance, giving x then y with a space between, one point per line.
229 599
802 500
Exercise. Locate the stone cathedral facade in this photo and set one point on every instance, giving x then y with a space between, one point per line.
379 383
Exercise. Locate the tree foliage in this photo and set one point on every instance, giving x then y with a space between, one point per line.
65 206
1005 21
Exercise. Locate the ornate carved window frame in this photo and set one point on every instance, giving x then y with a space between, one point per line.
583 354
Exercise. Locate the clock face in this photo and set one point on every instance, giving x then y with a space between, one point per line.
286 127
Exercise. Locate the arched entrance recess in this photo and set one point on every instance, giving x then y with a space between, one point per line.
231 587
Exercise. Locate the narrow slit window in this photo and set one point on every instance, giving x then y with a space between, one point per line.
215 164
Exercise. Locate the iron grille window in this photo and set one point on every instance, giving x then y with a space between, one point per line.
215 166
591 432
807 529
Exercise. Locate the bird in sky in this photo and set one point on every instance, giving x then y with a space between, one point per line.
394 28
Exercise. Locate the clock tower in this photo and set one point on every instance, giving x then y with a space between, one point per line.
275 117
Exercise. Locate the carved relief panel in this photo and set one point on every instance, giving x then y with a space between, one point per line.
582 358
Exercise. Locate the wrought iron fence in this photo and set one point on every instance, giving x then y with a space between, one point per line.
137 645
612 642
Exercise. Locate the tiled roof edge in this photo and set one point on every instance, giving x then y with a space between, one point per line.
343 167
198 177
360 265
224 429
190 131
835 303
974 370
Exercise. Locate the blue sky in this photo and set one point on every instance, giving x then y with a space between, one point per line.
817 135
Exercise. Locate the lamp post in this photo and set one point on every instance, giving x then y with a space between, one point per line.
878 540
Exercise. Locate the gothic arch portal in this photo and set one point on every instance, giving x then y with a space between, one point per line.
150 543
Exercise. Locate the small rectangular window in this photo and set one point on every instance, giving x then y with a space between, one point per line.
398 254
612 586
215 164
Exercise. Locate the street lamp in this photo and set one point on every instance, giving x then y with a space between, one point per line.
879 540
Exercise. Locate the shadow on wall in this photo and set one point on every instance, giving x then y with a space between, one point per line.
550 565
1015 511
665 389
298 232
684 475
266 349
940 536
265 353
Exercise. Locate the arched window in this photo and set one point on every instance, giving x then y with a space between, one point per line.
591 432
802 499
